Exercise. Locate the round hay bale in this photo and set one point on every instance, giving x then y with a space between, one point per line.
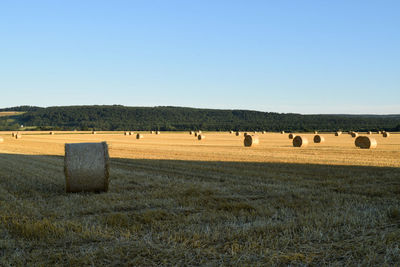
191 132
126 133
315 132
338 133
319 139
131 133
299 141
139 136
250 140
386 134
365 142
255 132
151 132
291 136
379 132
369 132
231 132
86 167
264 132
18 136
51 133
12 134
237 133
283 132
354 134
158 132
1 140
199 131
195 134
93 132
201 136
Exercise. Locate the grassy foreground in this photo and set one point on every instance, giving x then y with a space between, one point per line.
197 212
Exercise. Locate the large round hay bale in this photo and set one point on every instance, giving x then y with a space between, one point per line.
319 139
231 132
1 139
315 132
126 133
386 134
51 133
291 136
264 132
354 134
94 132
379 132
282 132
199 131
139 136
131 133
196 134
369 132
251 140
255 132
299 141
365 142
201 136
191 132
12 134
338 133
237 133
18 136
86 167
151 132
158 132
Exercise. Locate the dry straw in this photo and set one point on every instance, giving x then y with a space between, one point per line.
201 136
386 134
299 141
251 140
365 142
237 133
86 167
139 136
319 139
291 136
338 133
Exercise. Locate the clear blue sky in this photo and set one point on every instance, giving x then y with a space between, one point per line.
284 56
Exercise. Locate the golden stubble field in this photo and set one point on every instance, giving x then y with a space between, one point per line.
175 200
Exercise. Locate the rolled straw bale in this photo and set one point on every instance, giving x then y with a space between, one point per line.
86 167
315 132
126 133
152 132
139 136
291 136
255 132
386 134
319 139
51 133
93 132
131 133
191 132
199 131
338 133
379 132
283 132
231 132
1 140
195 134
365 142
369 132
250 140
354 134
201 136
264 132
18 136
12 134
158 132
237 133
299 141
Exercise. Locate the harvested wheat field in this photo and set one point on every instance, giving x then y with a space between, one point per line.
173 200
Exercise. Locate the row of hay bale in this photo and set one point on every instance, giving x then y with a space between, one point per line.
16 135
198 134
364 142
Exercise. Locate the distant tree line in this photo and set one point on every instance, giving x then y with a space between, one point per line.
118 117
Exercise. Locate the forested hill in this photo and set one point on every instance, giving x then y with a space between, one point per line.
180 118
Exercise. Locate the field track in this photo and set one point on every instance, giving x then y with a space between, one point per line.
174 200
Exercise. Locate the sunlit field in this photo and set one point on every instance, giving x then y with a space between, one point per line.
175 200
